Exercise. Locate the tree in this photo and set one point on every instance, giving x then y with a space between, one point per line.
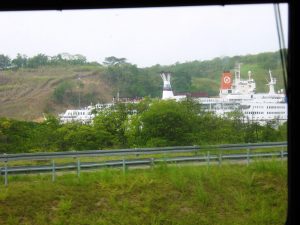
57 59
20 60
5 62
182 81
16 135
38 60
79 59
120 74
251 131
269 131
282 132
75 136
60 91
112 61
112 122
167 123
45 136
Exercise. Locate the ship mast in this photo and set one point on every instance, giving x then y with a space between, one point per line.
249 75
271 83
167 90
237 73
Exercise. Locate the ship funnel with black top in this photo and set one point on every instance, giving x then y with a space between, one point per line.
167 90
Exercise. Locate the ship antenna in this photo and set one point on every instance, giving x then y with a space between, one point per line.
271 83
249 74
238 71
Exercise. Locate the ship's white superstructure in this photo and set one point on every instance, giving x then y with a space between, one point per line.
85 115
240 95
235 95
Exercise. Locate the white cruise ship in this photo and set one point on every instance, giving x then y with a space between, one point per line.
84 116
235 95
240 95
87 114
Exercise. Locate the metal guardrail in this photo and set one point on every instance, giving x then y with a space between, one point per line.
136 151
5 158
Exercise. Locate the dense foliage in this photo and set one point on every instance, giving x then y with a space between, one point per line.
150 123
23 61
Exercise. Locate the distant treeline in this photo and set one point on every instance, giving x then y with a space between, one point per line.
154 123
22 61
131 81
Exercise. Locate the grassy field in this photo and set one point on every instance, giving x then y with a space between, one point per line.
230 194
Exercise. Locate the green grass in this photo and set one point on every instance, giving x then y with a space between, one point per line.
230 194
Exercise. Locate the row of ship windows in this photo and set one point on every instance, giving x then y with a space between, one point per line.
254 113
268 107
102 106
263 112
275 112
78 113
275 107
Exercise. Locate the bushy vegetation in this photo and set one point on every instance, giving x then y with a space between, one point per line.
150 123
187 195
61 91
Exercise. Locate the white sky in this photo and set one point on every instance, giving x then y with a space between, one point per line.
146 36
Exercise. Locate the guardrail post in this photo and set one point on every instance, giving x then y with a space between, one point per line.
248 156
207 159
152 162
281 154
78 167
124 166
220 159
5 174
196 151
53 171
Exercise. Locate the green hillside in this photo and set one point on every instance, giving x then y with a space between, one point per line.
30 87
28 93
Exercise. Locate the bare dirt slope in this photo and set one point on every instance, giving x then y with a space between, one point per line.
28 93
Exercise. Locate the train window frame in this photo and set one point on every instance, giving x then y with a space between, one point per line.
293 157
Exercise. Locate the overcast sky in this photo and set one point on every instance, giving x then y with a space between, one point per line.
144 36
